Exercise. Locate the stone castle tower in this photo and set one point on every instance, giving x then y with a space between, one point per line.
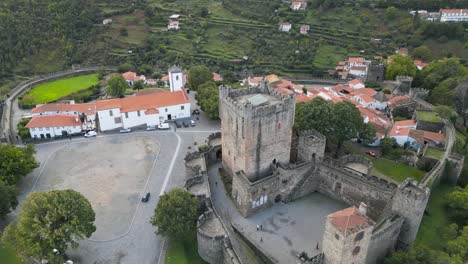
376 72
257 129
347 236
409 201
176 79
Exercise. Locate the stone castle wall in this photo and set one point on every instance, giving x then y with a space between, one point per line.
384 239
210 247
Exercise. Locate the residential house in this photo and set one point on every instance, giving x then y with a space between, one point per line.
51 126
353 67
356 84
304 29
107 21
173 25
151 82
132 77
402 51
420 64
298 5
401 132
453 15
285 27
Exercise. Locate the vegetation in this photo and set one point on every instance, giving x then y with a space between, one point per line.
396 170
183 251
23 132
198 75
51 91
16 162
8 201
208 97
400 65
8 256
428 116
434 153
50 220
176 204
116 85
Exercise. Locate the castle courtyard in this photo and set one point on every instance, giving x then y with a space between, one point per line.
287 229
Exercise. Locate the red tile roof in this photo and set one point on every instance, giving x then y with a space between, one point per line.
359 68
406 123
366 91
87 108
54 121
434 137
150 91
420 63
301 98
165 78
217 77
398 100
342 63
349 220
355 59
355 82
284 90
144 102
131 76
151 111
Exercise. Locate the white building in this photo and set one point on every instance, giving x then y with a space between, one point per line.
284 27
173 25
453 15
356 84
107 21
50 126
132 77
298 5
176 79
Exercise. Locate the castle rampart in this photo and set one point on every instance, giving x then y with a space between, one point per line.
384 238
210 237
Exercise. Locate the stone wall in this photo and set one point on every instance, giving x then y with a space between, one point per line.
210 246
376 72
384 239
311 146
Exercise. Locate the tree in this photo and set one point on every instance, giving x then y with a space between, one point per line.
400 65
138 85
8 201
52 220
346 121
422 53
16 162
315 114
204 12
461 99
387 144
445 112
208 99
198 75
417 255
367 133
125 67
116 85
391 13
457 201
101 72
23 132
123 32
438 71
176 214
443 93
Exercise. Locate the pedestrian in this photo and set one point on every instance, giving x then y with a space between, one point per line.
216 183
258 227
261 227
261 239
317 247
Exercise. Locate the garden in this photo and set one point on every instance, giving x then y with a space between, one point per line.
52 91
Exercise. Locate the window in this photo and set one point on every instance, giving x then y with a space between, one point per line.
359 236
47 128
138 113
33 129
166 110
110 113
126 115
177 77
181 107
337 237
356 250
117 120
40 129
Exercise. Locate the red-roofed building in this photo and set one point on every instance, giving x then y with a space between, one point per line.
420 64
356 84
132 77
50 126
298 5
217 77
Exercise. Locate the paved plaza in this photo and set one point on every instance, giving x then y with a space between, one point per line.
288 229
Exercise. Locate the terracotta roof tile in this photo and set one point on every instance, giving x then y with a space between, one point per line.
434 137
87 108
54 121
349 220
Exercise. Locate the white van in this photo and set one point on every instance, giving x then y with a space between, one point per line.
163 126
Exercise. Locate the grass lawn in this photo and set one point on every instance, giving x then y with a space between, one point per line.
395 170
8 256
432 224
327 56
183 252
434 153
51 91
428 116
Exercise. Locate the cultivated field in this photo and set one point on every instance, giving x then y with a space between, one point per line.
51 91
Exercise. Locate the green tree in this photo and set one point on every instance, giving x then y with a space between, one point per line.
101 72
458 247
438 71
418 255
422 53
125 67
208 99
391 13
176 213
198 75
367 133
457 201
8 201
23 132
400 65
138 85
346 121
443 93
16 162
387 144
315 114
445 112
52 220
116 85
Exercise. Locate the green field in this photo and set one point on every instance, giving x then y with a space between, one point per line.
8 256
434 153
51 91
433 223
395 170
428 116
183 252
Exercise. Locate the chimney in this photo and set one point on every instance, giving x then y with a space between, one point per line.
363 209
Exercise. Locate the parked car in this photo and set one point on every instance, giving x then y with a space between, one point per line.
186 124
125 130
372 154
196 112
90 134
163 126
151 128
178 124
146 197
192 122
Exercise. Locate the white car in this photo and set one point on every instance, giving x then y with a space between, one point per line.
151 128
192 123
90 134
125 130
163 126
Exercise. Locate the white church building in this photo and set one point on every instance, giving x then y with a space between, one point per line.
149 110
52 120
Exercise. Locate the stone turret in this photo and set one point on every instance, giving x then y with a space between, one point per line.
257 128
347 236
409 201
375 72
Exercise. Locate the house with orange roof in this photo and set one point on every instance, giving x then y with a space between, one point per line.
51 126
420 64
298 5
356 84
132 77
304 29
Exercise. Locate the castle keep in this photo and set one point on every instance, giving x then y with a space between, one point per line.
269 164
